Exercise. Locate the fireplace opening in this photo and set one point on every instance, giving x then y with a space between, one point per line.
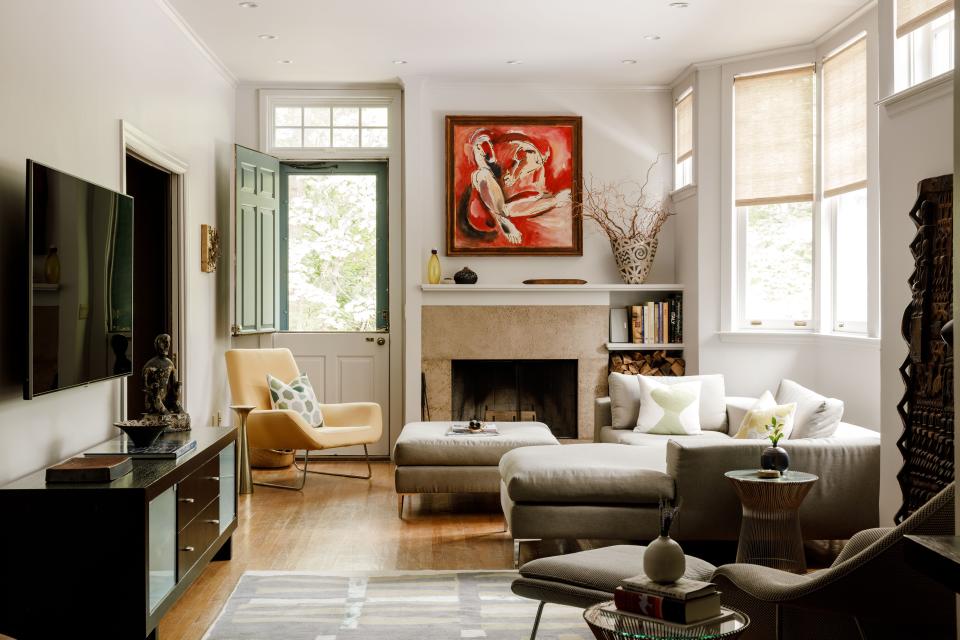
517 390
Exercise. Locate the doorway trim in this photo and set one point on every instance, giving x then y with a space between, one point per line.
135 142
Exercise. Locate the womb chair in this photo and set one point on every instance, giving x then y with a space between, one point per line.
348 424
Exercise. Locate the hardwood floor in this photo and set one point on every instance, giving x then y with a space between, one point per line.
339 524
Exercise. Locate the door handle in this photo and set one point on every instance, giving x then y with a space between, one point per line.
381 341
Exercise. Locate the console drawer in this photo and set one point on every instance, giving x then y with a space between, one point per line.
195 538
197 490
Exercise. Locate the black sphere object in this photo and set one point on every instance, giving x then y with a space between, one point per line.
775 458
465 276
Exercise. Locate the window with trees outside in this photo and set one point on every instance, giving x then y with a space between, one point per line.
924 41
683 140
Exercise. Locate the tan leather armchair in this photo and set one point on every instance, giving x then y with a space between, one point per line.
349 424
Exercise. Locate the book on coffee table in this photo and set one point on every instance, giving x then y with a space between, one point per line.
101 469
461 429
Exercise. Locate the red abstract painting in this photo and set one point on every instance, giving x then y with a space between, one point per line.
513 185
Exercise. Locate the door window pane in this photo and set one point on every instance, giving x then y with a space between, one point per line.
287 137
346 116
374 137
346 137
316 116
778 263
287 116
316 137
374 116
850 260
332 255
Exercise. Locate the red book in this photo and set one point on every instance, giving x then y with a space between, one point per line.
669 609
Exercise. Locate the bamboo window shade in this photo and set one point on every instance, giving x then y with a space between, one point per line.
684 115
774 137
913 14
845 120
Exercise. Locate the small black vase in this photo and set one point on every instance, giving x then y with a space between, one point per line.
775 458
465 276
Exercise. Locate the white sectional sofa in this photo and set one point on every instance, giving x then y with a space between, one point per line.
610 489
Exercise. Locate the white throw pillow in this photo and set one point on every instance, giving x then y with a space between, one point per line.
817 416
668 409
297 395
625 399
757 420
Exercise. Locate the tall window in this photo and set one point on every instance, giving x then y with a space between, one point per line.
774 193
845 181
683 151
924 47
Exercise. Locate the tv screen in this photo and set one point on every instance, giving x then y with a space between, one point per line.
80 286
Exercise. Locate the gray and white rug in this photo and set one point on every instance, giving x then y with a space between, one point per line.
420 605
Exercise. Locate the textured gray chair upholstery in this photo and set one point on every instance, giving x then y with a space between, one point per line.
870 591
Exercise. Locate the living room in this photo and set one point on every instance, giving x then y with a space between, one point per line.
641 233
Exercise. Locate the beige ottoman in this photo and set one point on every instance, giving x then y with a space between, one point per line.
430 461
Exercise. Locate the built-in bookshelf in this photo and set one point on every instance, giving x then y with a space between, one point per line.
653 340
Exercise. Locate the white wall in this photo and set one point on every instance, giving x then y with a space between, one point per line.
623 131
71 72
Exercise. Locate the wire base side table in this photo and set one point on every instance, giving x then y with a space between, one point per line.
609 623
770 527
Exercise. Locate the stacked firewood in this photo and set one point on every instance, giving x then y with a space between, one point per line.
647 363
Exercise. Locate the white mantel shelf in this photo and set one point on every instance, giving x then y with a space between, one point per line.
537 294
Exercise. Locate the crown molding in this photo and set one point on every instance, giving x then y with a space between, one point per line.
197 42
845 23
564 87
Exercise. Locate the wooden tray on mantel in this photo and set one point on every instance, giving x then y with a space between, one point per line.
555 281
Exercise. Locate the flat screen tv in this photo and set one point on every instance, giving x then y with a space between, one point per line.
80 281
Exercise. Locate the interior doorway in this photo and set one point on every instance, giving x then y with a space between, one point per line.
153 299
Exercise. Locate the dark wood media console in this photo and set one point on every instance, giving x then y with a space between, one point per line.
108 560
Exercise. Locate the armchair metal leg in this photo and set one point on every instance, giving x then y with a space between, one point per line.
291 487
536 621
366 455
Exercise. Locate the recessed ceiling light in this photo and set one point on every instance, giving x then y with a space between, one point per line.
285 61
248 5
267 36
651 37
514 61
679 5
628 61
399 62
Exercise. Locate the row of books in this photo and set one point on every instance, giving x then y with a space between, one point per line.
682 602
659 322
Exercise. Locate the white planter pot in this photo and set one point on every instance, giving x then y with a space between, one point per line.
634 258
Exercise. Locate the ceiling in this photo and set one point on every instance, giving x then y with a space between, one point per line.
569 41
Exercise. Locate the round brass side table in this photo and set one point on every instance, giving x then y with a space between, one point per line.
770 528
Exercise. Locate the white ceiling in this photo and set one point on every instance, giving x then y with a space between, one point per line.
571 41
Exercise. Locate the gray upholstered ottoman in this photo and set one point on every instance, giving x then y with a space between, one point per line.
586 578
430 461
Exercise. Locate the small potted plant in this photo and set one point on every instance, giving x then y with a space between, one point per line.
774 457
663 559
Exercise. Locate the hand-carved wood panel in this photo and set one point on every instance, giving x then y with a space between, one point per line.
927 405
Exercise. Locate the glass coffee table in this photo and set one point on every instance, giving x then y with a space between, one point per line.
770 528
609 623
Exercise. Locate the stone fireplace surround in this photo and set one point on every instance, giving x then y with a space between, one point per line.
515 332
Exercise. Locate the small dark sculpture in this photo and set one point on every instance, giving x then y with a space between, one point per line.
162 389
465 276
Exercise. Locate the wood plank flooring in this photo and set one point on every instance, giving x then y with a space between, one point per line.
340 524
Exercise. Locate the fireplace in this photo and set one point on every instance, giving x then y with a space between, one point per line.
510 390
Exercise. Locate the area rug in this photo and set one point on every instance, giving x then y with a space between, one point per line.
421 605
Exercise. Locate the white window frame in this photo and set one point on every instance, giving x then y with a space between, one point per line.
830 289
683 171
913 53
270 99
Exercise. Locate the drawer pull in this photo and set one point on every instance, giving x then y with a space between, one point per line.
214 478
187 500
187 549
213 522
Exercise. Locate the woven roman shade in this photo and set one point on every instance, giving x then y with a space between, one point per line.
684 127
774 137
845 119
913 14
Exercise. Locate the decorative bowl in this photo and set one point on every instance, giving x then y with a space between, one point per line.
141 433
475 425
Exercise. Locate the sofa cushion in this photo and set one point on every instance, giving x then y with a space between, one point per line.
427 443
586 473
625 399
817 416
625 436
737 407
669 409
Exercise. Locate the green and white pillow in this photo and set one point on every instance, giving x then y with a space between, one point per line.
297 396
757 419
668 409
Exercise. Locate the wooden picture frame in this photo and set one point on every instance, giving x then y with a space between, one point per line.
530 164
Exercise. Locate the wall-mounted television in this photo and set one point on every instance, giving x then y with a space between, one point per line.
79 250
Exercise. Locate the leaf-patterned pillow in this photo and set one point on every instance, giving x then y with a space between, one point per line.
297 396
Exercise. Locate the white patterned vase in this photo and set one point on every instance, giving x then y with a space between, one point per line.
634 258
663 560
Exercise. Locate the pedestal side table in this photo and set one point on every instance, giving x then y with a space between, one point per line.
608 623
770 528
246 476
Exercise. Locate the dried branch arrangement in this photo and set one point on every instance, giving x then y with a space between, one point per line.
624 210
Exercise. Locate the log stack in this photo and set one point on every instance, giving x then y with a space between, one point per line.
647 363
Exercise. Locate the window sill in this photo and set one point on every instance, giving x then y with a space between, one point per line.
684 192
918 94
799 337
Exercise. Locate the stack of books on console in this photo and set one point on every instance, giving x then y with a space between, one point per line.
682 602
